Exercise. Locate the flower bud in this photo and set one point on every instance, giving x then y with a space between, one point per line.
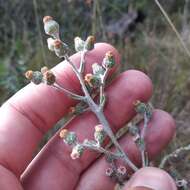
89 43
34 76
140 107
51 27
60 48
49 77
63 133
70 138
50 42
29 75
79 44
77 151
97 69
99 134
44 69
108 61
92 80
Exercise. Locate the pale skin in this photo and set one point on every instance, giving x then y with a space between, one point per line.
34 109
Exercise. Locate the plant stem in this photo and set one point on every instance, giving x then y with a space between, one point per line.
143 133
82 62
101 150
173 27
100 115
68 92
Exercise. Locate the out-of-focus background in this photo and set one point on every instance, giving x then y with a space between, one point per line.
136 28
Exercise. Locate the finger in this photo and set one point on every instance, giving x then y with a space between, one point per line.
34 109
150 178
160 131
8 180
54 162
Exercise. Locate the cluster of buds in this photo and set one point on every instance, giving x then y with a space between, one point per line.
70 138
51 28
45 76
99 134
59 47
143 108
87 45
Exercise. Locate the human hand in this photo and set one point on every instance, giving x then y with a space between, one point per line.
35 109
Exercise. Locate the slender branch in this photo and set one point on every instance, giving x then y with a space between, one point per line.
173 27
143 133
102 93
68 92
82 62
173 155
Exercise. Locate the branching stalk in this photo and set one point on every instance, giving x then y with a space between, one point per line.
100 115
173 155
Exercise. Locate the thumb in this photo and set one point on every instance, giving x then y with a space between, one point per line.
150 178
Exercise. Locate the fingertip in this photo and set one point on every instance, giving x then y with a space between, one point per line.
160 133
150 178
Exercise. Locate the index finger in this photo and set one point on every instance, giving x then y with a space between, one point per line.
34 109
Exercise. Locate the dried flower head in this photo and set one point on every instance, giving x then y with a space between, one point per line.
60 48
89 43
77 151
63 133
47 18
88 79
109 60
29 74
49 77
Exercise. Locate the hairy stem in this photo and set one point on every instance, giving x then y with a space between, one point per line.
143 133
82 62
68 92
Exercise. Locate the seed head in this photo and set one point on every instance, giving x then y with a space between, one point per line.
77 151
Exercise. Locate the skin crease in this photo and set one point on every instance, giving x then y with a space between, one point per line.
28 115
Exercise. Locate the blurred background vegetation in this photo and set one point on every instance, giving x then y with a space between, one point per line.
136 28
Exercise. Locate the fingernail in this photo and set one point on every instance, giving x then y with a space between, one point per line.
140 188
151 178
